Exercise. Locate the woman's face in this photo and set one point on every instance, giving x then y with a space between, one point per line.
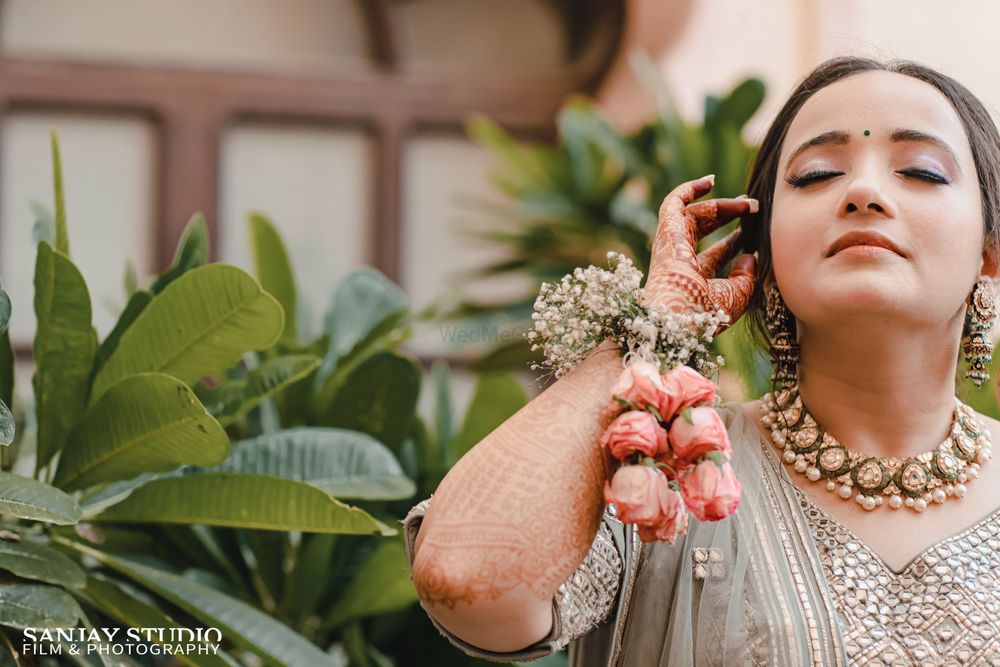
912 179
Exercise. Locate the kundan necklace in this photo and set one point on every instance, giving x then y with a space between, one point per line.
914 481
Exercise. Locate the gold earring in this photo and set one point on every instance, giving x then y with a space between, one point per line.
784 348
980 316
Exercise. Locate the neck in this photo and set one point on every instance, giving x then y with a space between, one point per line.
873 393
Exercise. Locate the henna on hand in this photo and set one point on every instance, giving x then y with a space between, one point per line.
681 280
522 507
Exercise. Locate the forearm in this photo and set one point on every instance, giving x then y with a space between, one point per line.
516 516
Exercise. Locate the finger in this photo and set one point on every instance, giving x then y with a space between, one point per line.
733 294
674 240
711 214
716 255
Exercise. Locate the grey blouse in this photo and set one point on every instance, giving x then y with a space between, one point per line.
943 608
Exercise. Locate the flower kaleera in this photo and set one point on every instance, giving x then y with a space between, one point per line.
671 452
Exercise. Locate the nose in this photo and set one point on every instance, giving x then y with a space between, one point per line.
865 193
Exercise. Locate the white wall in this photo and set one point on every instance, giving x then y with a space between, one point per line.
780 41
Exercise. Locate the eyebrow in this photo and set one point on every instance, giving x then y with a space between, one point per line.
840 137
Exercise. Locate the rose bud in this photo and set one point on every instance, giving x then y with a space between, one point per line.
675 521
641 384
635 431
705 433
640 493
709 492
688 388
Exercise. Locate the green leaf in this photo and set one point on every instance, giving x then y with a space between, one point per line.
148 422
742 103
202 323
381 585
35 561
6 425
344 463
366 313
136 304
378 398
518 160
30 499
117 601
686 413
5 310
718 458
443 418
232 400
36 606
130 281
192 252
239 622
274 271
7 363
303 589
497 396
62 236
44 227
64 348
242 500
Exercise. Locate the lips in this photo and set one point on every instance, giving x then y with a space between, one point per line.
866 237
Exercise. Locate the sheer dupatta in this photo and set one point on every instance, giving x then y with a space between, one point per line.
746 590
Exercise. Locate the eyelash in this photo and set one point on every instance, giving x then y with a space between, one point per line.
816 176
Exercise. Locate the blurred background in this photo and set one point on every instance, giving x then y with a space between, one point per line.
343 120
426 164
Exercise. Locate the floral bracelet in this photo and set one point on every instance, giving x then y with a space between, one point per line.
586 307
669 450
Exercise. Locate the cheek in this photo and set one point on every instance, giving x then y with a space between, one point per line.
795 243
948 237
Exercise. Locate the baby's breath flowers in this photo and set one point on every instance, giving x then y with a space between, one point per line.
573 317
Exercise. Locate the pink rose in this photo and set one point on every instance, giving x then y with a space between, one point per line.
709 492
635 431
674 523
704 433
688 388
643 497
641 384
677 466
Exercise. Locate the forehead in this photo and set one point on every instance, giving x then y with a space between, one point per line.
879 102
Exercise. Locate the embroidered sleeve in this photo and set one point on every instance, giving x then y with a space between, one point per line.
581 603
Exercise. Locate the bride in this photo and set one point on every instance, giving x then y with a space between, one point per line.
871 242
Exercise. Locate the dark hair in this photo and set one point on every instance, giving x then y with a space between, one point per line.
979 129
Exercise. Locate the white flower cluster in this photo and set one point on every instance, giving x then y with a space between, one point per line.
589 305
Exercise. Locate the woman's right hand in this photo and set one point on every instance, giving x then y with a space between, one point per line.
683 281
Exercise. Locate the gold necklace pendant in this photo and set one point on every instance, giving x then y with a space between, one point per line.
914 481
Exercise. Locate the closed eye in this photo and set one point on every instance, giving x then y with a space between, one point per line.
817 176
811 177
925 175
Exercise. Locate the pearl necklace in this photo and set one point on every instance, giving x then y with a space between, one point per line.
914 481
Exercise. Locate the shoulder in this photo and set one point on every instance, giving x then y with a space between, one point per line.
992 424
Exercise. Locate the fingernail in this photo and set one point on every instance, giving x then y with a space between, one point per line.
710 178
754 205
